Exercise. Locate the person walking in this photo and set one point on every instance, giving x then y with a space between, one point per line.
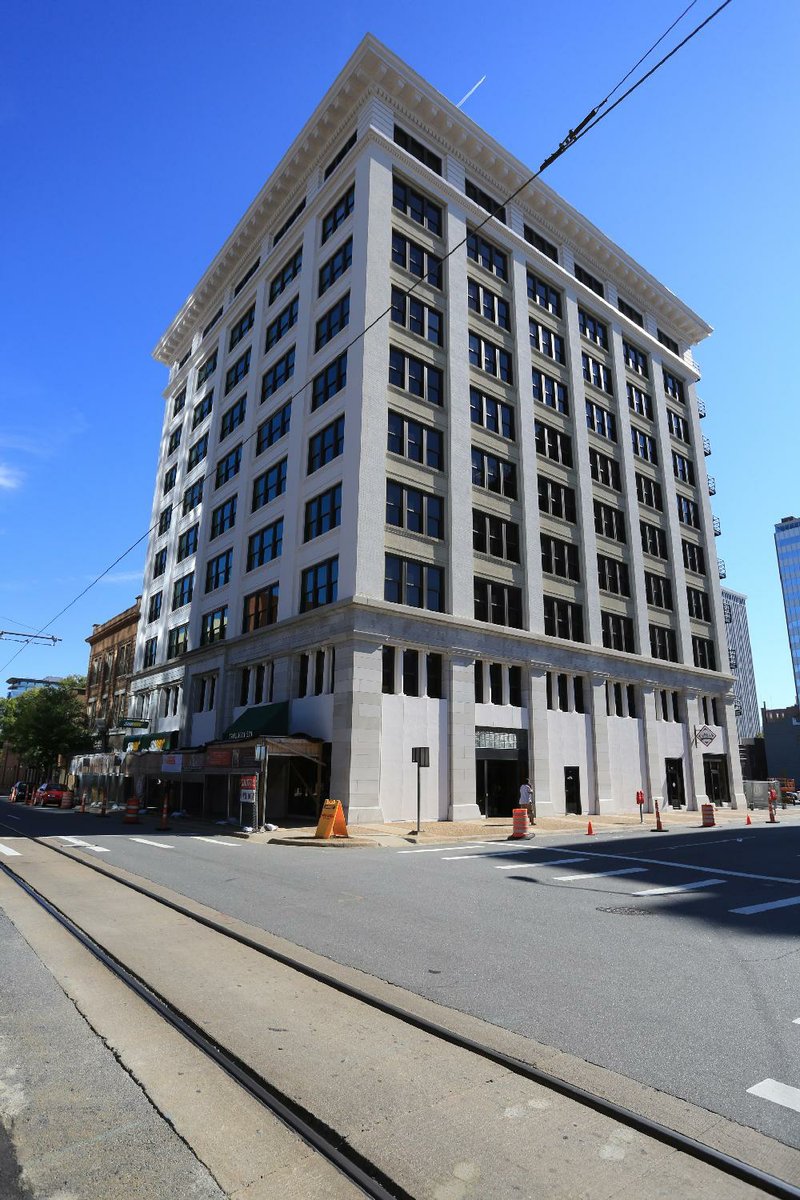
526 800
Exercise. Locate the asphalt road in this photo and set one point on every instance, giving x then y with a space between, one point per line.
561 939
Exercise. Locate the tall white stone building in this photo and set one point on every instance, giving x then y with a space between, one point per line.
740 661
483 526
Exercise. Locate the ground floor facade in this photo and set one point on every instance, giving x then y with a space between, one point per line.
364 684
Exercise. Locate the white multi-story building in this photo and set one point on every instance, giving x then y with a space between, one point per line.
435 477
740 661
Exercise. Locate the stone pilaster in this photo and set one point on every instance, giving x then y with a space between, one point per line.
461 737
602 794
539 769
694 720
356 742
656 772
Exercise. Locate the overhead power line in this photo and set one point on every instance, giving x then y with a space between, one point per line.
589 122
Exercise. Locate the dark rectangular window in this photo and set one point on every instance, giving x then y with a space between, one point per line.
669 342
206 369
601 421
187 542
154 606
663 643
335 267
550 391
387 670
544 294
192 496
612 576
270 485
228 466
332 322
416 316
260 608
597 373
417 149
591 281
174 440
485 200
497 603
179 402
197 452
289 271
233 417
242 327
407 581
150 651
658 591
326 445
339 213
559 558
688 512
277 375
248 275
654 540
281 324
214 626
416 206
635 359
410 672
264 545
682 468
609 522
488 305
617 632
319 585
165 519
323 513
639 401
491 358
674 387
169 479
413 375
416 260
541 243
563 619
556 500
493 473
212 323
487 255
202 409
177 641
605 470
340 155
492 535
491 414
694 558
552 443
415 510
699 606
290 220
593 329
648 492
678 426
223 517
433 676
218 570
415 441
182 590
545 342
704 654
274 428
644 446
630 312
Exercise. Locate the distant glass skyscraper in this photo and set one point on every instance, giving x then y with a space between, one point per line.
787 544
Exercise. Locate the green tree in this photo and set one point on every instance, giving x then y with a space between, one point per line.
43 723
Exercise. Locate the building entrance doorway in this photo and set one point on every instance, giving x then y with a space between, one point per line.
572 789
676 794
501 764
715 769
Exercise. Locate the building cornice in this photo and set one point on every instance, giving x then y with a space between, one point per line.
373 70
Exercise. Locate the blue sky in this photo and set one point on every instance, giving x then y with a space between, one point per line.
135 135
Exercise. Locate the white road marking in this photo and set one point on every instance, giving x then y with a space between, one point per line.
556 862
759 908
601 874
438 849
198 837
778 1093
796 1021
665 862
680 887
8 850
147 842
11 817
707 842
74 841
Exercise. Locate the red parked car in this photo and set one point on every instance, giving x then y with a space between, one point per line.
53 793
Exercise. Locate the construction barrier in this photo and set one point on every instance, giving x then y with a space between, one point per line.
131 812
520 828
709 815
164 826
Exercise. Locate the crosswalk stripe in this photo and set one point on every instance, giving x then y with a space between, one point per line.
9 850
556 862
198 837
76 841
750 909
147 842
778 1093
680 887
600 874
437 849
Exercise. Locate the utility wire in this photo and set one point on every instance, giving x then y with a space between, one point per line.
589 122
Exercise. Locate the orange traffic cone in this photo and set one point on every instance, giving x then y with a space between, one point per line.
748 821
164 826
589 831
659 827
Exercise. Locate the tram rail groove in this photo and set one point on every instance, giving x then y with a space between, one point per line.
728 1164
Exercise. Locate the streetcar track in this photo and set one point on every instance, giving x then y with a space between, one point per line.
326 1141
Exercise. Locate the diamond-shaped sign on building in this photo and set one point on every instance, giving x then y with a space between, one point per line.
706 735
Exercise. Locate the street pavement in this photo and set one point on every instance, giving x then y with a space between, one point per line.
670 958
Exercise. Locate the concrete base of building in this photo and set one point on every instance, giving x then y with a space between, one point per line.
365 816
465 812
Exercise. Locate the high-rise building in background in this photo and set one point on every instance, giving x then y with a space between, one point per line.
484 527
787 546
740 660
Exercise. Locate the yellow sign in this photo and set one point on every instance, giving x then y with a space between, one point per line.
331 820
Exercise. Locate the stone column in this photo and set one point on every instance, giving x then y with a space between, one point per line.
356 742
694 721
602 799
656 771
463 805
738 798
539 739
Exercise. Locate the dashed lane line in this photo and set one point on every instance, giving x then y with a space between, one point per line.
778 1093
8 850
147 842
600 874
679 887
556 862
198 837
751 909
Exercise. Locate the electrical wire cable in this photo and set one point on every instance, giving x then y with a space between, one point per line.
589 122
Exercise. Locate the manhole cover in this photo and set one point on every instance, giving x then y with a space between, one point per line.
628 911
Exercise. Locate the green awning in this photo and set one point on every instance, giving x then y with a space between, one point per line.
259 720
